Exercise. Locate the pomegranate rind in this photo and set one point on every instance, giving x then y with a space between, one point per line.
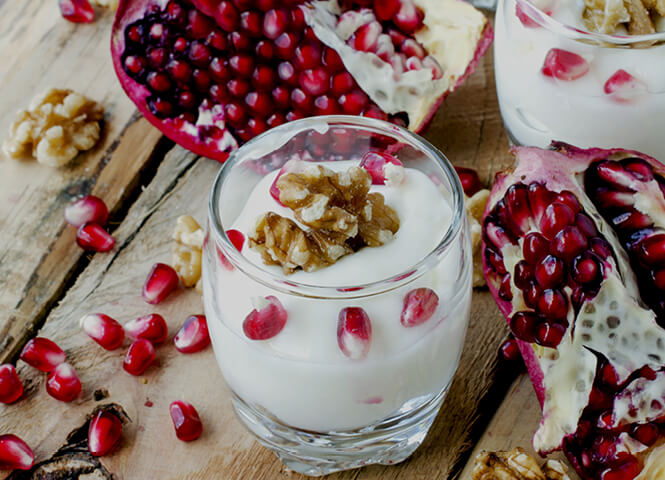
188 135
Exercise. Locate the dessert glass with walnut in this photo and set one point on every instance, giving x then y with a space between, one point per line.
587 73
337 296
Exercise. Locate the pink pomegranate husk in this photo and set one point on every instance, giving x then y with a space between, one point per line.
130 10
560 154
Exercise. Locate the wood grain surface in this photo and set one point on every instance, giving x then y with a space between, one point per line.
47 284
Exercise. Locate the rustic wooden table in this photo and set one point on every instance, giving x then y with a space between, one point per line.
47 283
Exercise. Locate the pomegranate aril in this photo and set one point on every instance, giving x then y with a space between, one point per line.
42 354
623 86
386 9
286 45
376 164
193 336
104 433
535 247
252 23
505 290
263 77
523 275
15 454
259 103
301 100
332 60
87 209
627 470
237 238
366 37
226 16
161 281
240 41
104 330
354 332
523 325
139 356
198 25
307 56
63 383
217 40
354 102
238 88
77 11
652 250
510 351
287 73
470 180
564 65
150 327
553 304
186 420
341 83
11 387
242 64
324 105
495 260
549 272
419 306
265 321
555 218
569 243
585 269
408 18
550 334
265 50
93 238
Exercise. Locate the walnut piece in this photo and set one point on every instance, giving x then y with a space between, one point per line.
187 250
608 16
341 214
110 4
475 206
515 464
56 126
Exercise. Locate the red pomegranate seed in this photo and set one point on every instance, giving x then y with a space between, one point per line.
11 387
315 81
523 274
535 247
77 11
302 100
505 292
242 64
622 86
647 434
265 50
408 18
332 60
193 335
510 351
286 45
652 250
376 162
523 326
553 304
15 454
42 354
186 421
161 281
150 327
549 272
139 357
366 37
324 105
386 9
104 433
470 180
237 238
585 270
564 65
263 77
103 329
93 238
265 321
341 83
226 16
354 102
87 209
627 470
419 306
275 23
354 332
557 215
63 383
569 243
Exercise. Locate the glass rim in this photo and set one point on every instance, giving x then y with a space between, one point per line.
600 39
282 283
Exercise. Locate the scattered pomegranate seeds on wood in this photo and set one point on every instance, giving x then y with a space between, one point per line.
186 421
150 327
193 336
11 387
139 356
104 433
42 354
161 281
15 454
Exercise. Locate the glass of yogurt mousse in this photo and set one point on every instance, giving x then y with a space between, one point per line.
557 81
338 366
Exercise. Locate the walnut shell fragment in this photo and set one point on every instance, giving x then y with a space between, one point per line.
515 464
56 126
341 214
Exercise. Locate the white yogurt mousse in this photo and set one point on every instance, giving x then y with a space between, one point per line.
301 376
594 109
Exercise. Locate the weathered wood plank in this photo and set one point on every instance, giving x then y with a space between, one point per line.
468 130
40 50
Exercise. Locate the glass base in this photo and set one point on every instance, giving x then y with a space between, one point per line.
388 442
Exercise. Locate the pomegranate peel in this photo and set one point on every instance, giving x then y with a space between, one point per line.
207 76
591 338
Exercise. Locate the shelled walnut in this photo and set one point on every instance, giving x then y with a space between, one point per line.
56 126
341 214
515 464
612 16
475 206
187 251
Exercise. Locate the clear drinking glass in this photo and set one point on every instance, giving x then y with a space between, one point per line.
318 410
537 109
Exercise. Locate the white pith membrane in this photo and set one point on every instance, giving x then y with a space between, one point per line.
451 31
614 325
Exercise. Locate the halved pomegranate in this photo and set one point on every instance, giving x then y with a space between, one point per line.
212 74
574 254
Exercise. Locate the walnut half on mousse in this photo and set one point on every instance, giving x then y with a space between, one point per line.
516 464
341 216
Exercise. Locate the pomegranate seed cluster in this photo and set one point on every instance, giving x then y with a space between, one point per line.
561 249
615 188
258 67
